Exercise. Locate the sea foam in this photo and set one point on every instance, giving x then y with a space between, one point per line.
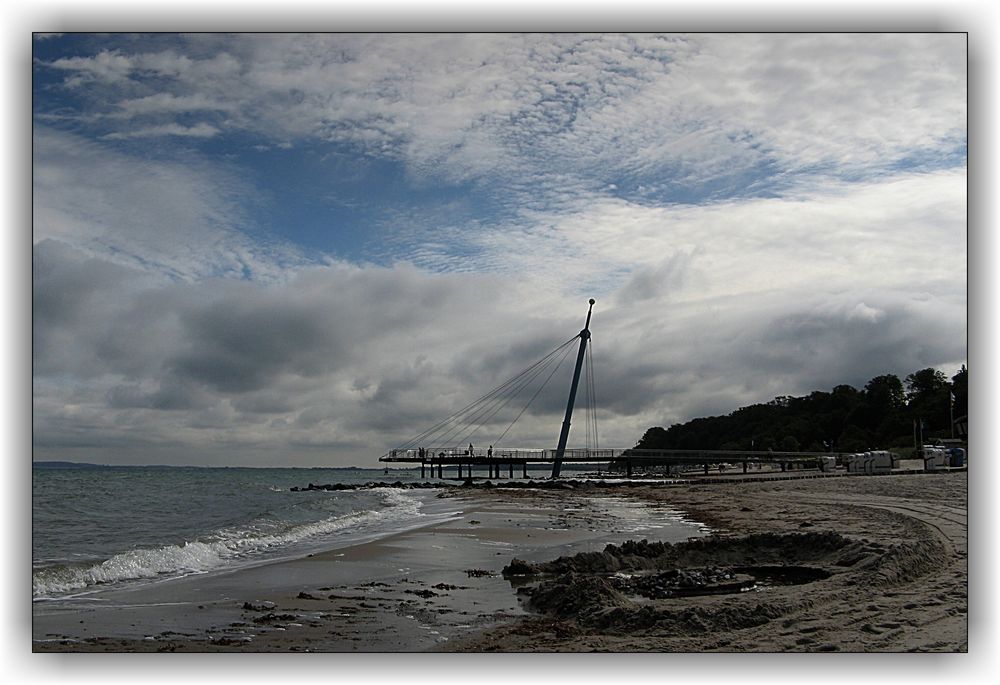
222 548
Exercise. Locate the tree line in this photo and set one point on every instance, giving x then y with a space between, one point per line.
887 413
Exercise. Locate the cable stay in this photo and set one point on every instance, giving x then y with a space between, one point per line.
561 360
448 437
591 399
463 425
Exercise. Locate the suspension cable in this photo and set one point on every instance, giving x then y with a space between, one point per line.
471 406
498 405
474 410
592 392
565 354
488 409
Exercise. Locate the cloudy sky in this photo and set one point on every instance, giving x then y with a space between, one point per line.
305 249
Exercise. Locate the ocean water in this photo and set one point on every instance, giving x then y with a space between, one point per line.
108 527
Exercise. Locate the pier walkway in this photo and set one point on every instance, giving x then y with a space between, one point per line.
625 461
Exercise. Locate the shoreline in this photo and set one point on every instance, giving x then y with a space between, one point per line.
404 592
410 591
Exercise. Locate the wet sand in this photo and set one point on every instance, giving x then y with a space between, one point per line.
893 548
409 592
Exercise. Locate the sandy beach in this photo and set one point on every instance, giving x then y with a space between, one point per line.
869 564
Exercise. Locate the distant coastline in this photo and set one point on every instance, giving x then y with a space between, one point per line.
89 465
66 465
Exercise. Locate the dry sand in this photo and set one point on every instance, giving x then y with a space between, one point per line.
892 550
895 548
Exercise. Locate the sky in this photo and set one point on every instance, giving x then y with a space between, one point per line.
303 250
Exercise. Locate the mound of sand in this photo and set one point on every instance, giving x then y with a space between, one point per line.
882 567
635 586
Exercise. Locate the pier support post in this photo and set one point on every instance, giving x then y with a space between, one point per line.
783 466
422 476
628 468
440 469
511 465
525 465
706 468
460 470
744 467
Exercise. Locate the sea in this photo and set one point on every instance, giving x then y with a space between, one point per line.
96 528
100 527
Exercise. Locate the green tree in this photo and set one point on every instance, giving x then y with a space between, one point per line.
790 444
853 439
883 411
925 383
885 393
845 419
960 391
653 439
928 394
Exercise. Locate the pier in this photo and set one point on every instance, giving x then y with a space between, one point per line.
627 461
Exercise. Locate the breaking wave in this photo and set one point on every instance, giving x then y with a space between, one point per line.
222 548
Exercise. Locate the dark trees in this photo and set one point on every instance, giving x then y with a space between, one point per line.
845 419
960 391
928 395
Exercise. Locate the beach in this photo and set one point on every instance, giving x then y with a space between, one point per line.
881 562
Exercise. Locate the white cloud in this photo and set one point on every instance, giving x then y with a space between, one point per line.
907 231
106 65
180 220
197 131
704 106
160 103
866 313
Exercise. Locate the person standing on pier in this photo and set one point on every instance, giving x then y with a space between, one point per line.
489 452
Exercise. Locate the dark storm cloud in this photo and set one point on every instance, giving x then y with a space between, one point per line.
371 357
694 364
333 354
172 393
852 345
654 282
69 290
239 344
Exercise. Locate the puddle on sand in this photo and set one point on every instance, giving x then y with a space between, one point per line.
773 576
694 582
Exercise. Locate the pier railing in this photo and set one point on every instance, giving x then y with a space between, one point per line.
611 459
455 454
